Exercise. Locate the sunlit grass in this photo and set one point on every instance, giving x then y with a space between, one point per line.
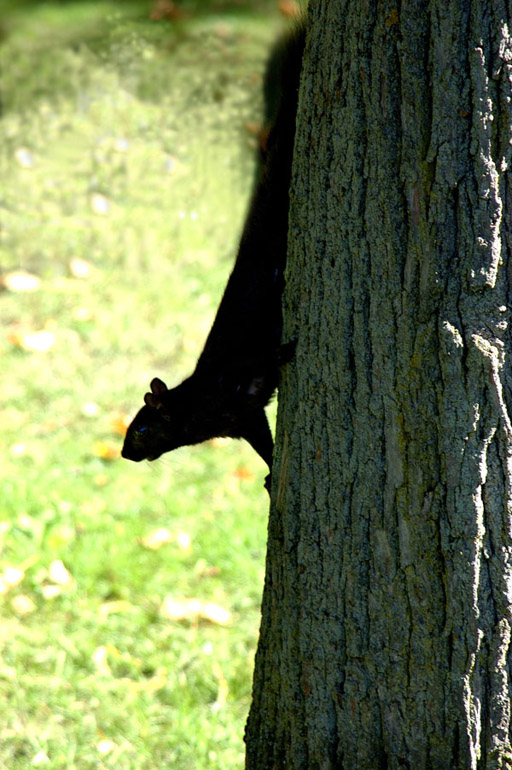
126 165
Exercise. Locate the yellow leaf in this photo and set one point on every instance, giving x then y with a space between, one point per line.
50 592
243 473
58 573
183 540
24 157
81 313
90 409
194 610
20 280
80 268
154 540
23 605
120 605
120 422
100 660
223 691
99 204
106 450
11 577
18 450
33 342
106 747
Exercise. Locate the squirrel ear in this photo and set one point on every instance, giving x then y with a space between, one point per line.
157 386
151 400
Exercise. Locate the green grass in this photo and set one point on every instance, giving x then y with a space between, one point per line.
124 144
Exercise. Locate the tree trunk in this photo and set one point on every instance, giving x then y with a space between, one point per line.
387 611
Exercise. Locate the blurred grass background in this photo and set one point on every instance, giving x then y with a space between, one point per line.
129 594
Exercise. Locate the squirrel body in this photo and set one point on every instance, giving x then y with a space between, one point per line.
237 372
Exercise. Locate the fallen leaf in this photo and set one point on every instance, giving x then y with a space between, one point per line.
59 538
106 747
20 280
51 592
183 540
121 144
58 573
41 758
24 157
165 9
90 409
18 450
23 605
223 691
120 422
194 610
154 540
157 538
113 607
100 660
243 473
99 204
33 342
106 450
80 268
80 313
10 578
170 163
289 8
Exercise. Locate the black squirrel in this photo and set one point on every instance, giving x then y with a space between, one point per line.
237 372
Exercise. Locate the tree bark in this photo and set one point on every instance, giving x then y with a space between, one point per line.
387 610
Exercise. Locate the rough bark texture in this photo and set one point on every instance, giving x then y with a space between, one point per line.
387 611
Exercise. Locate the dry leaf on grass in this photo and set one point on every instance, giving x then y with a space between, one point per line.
119 423
80 268
106 450
105 747
157 538
10 578
194 610
33 342
58 573
243 473
23 605
113 607
24 157
90 409
13 576
290 9
165 9
20 280
223 691
59 579
99 204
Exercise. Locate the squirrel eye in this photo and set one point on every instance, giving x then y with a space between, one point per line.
142 429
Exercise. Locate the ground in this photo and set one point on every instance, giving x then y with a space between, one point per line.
129 594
